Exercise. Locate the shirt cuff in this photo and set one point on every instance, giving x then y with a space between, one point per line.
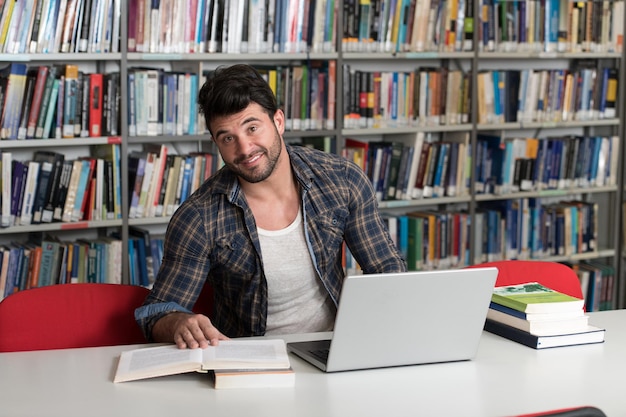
150 310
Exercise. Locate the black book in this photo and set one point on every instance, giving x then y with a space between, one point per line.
84 30
512 82
85 106
109 189
34 37
53 187
27 99
40 195
160 209
591 335
81 93
61 194
49 175
111 104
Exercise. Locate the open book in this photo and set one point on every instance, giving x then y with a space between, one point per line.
229 354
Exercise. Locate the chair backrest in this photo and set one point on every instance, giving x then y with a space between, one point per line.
205 302
70 316
553 275
584 411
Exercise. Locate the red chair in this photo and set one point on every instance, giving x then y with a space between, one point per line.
205 302
585 411
553 275
70 316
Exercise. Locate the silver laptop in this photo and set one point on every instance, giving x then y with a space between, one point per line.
405 318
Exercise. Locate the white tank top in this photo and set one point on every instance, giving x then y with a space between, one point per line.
297 300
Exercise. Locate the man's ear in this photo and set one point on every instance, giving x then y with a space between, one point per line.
279 121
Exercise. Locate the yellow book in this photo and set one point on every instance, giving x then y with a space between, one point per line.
6 20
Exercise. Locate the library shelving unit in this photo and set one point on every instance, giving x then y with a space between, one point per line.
490 136
350 56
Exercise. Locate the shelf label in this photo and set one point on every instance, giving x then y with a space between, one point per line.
75 226
114 140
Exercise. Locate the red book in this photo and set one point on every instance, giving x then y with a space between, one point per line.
423 162
96 82
40 85
89 191
132 25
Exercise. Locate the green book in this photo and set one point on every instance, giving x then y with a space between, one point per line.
532 297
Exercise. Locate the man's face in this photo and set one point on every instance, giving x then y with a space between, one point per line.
249 142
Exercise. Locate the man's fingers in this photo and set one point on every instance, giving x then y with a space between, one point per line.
195 331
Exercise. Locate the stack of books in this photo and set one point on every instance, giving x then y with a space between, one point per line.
540 317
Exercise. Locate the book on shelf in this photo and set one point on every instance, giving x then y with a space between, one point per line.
253 378
228 354
47 182
6 180
532 297
27 98
590 335
96 84
30 192
36 100
13 77
88 167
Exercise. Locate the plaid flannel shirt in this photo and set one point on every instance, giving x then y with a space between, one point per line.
213 237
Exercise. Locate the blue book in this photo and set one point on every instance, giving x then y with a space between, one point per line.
83 183
140 254
535 236
594 158
13 270
133 267
494 148
451 175
440 170
394 97
101 261
404 10
493 234
555 170
551 23
328 27
403 235
186 185
498 92
156 254
49 249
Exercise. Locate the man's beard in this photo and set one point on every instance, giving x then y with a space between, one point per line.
259 173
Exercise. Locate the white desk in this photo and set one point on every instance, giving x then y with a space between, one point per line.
503 380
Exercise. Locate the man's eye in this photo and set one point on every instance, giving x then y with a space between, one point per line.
227 139
253 128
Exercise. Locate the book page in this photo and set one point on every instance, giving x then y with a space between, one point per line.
156 361
246 353
165 356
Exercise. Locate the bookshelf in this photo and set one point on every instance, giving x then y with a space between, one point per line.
466 54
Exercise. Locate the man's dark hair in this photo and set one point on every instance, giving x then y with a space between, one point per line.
229 90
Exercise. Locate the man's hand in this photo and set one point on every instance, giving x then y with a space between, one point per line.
187 331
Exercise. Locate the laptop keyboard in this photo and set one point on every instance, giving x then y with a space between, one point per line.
320 354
